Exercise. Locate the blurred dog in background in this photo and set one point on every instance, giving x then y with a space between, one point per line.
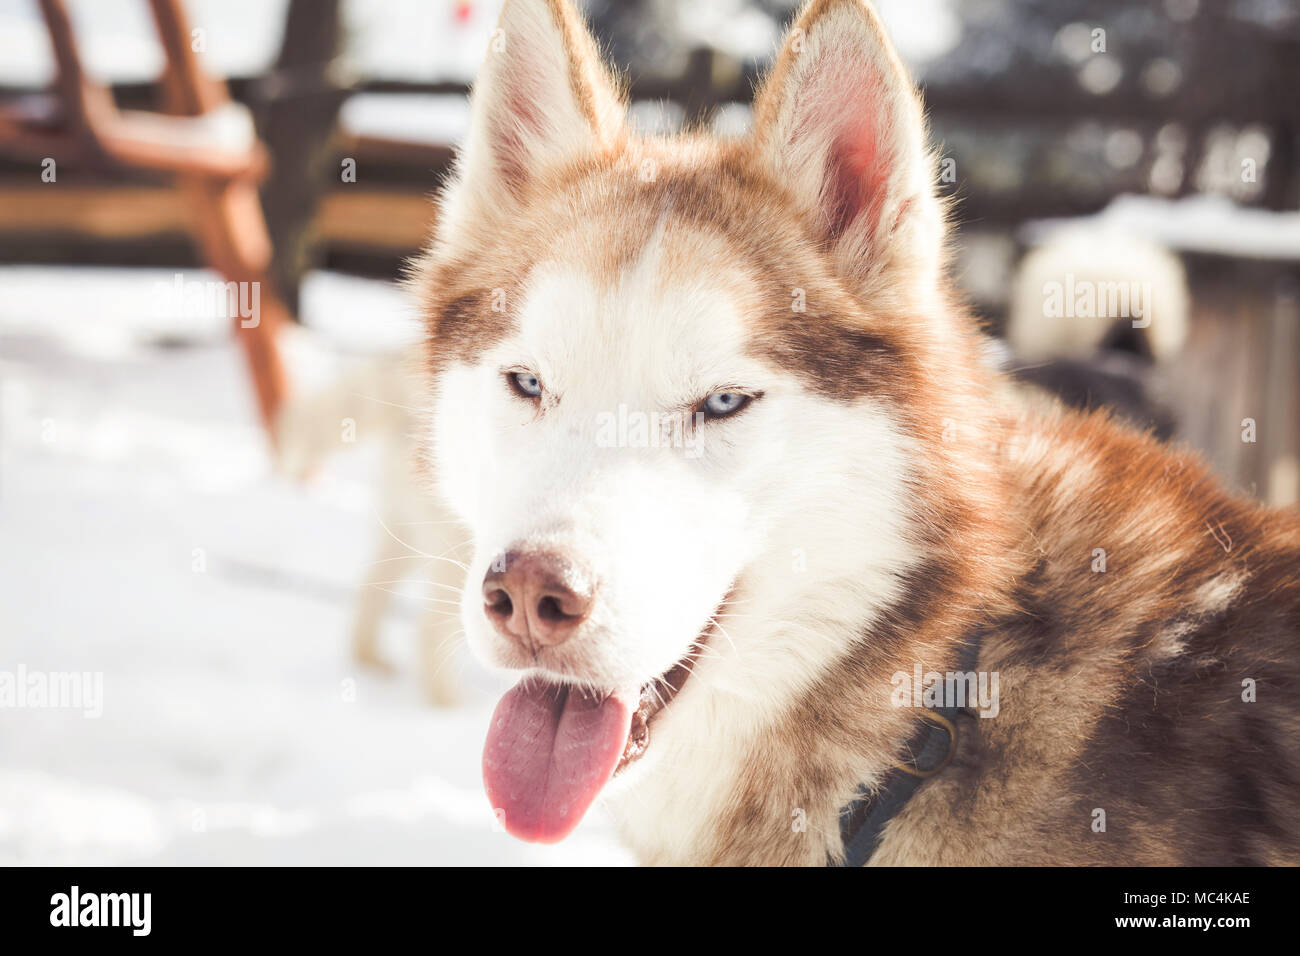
417 540
1099 357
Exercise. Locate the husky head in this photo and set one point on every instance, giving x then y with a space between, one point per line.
680 392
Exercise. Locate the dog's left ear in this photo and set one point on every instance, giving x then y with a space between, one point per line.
839 123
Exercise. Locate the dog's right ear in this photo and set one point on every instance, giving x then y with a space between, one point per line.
542 98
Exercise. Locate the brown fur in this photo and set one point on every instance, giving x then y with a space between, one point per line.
1094 713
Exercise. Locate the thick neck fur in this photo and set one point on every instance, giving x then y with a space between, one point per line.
1107 680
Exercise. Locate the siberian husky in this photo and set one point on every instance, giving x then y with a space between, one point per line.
756 525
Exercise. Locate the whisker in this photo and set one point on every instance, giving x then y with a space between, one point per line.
415 550
412 597
380 401
403 524
407 580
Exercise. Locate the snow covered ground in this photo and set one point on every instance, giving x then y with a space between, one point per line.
145 537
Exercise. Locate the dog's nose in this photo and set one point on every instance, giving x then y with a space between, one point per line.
537 598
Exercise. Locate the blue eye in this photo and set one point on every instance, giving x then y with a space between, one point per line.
526 384
721 404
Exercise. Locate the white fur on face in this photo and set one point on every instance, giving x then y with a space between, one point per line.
796 500
633 515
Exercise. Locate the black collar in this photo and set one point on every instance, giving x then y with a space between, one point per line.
927 753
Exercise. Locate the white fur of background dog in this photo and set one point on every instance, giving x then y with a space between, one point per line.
417 539
1096 256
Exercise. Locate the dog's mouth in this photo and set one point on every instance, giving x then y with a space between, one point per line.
551 747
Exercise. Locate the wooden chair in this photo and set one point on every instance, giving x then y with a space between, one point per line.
205 140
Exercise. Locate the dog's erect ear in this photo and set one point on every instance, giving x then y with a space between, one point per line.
542 98
840 124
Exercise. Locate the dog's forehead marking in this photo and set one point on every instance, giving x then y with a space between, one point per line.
706 245
672 319
726 230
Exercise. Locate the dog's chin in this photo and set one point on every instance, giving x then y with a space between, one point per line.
554 741
655 696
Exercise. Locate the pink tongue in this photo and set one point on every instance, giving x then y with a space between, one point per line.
549 751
